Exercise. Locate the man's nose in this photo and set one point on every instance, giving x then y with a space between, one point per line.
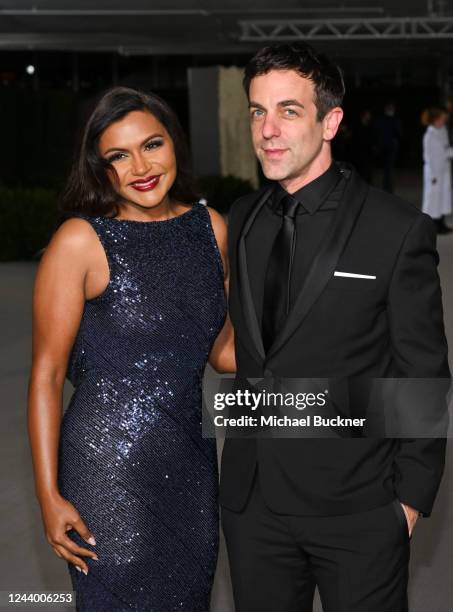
271 127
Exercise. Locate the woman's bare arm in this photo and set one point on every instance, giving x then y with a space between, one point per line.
222 355
59 294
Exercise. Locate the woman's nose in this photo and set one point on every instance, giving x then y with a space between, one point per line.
139 165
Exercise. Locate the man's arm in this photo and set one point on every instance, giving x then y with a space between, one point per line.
420 351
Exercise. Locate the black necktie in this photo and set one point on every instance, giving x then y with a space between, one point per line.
277 284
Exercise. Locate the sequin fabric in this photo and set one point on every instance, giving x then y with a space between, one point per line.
132 458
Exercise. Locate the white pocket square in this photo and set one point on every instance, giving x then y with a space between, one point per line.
352 275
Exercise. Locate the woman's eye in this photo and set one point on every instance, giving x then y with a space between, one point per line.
153 144
115 157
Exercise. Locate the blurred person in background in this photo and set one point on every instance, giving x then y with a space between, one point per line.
129 304
363 141
449 106
343 146
388 134
437 195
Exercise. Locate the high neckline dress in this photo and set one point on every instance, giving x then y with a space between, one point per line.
132 458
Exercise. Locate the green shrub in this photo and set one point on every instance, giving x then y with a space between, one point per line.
27 220
28 216
222 191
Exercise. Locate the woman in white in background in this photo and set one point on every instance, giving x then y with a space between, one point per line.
437 195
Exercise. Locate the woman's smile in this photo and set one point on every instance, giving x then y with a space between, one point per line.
146 184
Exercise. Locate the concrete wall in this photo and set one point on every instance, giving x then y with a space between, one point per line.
204 121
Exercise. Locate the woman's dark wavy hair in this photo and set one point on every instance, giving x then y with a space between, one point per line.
89 188
304 59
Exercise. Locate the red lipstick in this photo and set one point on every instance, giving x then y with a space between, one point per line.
146 184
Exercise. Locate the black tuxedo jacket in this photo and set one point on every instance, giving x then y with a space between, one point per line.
343 327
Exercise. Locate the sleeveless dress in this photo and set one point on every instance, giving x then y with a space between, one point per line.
132 458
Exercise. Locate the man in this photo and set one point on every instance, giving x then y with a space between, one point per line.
329 278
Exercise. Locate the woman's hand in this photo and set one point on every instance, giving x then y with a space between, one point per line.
59 515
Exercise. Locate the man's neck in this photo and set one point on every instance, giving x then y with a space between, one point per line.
316 168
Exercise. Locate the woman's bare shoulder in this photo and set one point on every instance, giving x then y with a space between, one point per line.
74 234
74 240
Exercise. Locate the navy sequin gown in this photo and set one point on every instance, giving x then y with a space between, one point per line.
132 458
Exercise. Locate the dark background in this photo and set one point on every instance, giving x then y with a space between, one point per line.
80 50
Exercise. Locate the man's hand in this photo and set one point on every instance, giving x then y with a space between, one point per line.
411 517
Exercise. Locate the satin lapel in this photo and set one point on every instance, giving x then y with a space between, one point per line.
325 261
247 303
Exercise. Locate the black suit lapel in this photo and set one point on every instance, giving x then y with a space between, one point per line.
247 302
325 261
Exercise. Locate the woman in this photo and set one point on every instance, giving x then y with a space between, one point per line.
129 302
437 196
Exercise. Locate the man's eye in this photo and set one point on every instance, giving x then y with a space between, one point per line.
290 112
256 113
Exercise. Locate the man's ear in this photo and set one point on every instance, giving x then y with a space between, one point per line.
331 122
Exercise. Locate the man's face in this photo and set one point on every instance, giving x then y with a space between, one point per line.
288 139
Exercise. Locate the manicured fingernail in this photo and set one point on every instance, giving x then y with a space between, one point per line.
91 540
78 568
85 572
95 558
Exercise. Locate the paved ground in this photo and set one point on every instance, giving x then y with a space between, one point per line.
27 561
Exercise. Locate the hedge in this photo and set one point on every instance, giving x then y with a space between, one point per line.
27 219
28 216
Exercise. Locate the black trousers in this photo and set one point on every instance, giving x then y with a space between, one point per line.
358 561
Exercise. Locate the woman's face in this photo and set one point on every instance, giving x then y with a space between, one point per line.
141 152
441 120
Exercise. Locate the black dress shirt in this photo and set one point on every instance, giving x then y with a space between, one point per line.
318 201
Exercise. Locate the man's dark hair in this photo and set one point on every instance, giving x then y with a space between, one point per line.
301 57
